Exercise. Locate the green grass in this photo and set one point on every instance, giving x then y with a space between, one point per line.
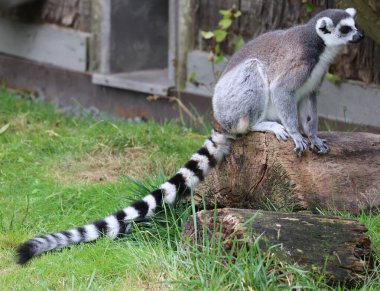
58 171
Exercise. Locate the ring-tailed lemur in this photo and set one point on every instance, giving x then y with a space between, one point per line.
269 85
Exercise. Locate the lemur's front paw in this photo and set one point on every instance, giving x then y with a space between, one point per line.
300 142
280 132
318 145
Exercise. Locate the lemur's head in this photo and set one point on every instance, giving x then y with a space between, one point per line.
337 27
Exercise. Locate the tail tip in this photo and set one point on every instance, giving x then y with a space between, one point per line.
26 251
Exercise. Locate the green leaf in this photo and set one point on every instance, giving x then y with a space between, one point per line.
225 13
225 23
220 35
238 42
217 49
207 34
218 59
192 77
237 14
4 128
309 7
335 79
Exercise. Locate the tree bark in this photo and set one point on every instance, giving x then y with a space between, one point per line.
335 245
264 173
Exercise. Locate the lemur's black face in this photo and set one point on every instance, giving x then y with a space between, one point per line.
342 32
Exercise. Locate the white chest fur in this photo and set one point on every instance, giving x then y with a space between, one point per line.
316 76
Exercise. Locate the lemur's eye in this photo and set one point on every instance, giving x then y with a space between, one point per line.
345 29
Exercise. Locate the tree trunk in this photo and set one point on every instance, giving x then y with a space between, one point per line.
262 172
335 245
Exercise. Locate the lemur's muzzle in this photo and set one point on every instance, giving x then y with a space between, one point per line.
358 36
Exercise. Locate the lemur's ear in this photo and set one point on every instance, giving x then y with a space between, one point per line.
351 11
325 25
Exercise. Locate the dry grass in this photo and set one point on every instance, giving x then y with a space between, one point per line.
102 166
20 122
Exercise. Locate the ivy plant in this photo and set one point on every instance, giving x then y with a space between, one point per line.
220 35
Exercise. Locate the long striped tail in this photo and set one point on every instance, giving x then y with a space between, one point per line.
214 149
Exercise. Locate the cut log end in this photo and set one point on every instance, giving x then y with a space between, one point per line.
334 245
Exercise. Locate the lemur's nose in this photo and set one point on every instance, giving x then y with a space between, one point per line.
358 36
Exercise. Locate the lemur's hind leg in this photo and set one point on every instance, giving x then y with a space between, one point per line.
271 126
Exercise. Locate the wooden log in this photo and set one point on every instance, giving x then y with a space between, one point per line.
334 245
262 172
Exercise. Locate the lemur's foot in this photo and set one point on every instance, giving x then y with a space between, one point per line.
274 127
300 142
318 145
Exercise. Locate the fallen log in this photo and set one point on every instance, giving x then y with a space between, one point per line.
263 173
335 245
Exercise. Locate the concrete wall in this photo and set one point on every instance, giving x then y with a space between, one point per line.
351 102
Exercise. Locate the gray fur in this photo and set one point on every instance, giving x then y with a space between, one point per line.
271 81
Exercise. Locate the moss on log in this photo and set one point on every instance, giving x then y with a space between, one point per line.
334 245
262 172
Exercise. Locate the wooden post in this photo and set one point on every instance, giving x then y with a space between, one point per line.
186 17
105 36
173 38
